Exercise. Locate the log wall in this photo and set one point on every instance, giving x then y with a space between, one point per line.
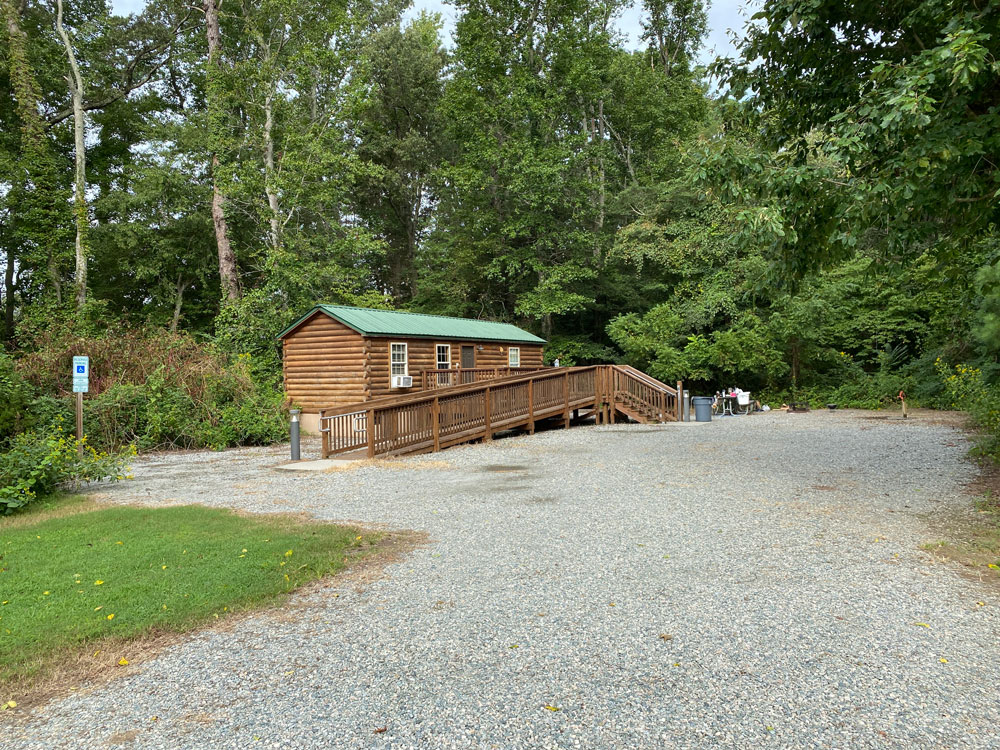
328 364
324 364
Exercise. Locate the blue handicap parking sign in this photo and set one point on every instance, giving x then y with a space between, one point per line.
81 369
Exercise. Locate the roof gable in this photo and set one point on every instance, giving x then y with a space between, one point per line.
370 322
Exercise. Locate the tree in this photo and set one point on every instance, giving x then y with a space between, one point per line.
674 31
80 214
517 218
37 223
883 126
228 272
401 134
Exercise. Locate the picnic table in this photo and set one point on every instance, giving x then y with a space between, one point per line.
727 403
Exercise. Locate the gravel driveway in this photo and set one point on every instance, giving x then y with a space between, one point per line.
753 581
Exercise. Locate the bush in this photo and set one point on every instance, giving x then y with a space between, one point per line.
230 408
15 398
969 391
158 390
39 463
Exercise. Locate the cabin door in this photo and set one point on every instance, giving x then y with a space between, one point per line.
468 357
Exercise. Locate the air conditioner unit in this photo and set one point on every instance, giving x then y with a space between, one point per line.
402 381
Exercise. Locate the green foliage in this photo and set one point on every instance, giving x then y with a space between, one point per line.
15 398
880 127
967 389
571 351
228 408
38 463
986 326
157 390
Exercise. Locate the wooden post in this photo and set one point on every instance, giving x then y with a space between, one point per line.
599 394
79 423
326 435
487 415
531 407
566 411
371 433
680 401
436 423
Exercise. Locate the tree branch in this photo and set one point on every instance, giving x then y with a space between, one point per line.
129 82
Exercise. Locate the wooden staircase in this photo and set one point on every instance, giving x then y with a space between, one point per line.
449 415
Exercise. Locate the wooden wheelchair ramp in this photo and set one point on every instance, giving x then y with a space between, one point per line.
429 421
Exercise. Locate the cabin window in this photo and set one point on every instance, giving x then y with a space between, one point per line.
514 356
397 360
444 356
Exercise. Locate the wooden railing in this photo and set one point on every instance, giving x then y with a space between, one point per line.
642 393
466 375
430 421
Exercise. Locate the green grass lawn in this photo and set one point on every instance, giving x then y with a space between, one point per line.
73 573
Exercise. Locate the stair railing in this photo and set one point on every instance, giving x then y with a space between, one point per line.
645 394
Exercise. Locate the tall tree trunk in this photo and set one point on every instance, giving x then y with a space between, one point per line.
412 232
8 299
37 178
178 301
80 178
602 192
546 317
227 259
272 196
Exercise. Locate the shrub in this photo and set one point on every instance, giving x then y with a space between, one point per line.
231 409
15 397
969 391
38 463
158 390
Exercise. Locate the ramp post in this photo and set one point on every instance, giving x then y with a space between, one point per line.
566 411
531 407
371 433
436 422
487 416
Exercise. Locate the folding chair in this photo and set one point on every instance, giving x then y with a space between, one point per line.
744 402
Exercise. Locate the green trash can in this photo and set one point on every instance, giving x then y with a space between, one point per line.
702 408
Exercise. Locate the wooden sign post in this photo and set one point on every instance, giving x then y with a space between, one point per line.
902 400
81 384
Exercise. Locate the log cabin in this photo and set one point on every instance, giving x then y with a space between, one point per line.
336 355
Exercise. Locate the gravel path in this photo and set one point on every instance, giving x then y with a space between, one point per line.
753 581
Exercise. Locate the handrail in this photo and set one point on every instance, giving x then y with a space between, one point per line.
465 375
409 398
439 417
648 379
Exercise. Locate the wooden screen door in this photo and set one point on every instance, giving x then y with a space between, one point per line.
468 357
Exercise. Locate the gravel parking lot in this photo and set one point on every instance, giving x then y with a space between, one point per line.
753 581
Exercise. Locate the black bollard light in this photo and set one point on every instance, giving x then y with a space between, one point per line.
294 431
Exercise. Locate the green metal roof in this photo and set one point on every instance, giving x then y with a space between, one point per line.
369 322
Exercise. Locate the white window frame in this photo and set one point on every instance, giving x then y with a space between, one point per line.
393 363
510 356
437 356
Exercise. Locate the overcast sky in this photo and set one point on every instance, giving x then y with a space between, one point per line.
722 16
